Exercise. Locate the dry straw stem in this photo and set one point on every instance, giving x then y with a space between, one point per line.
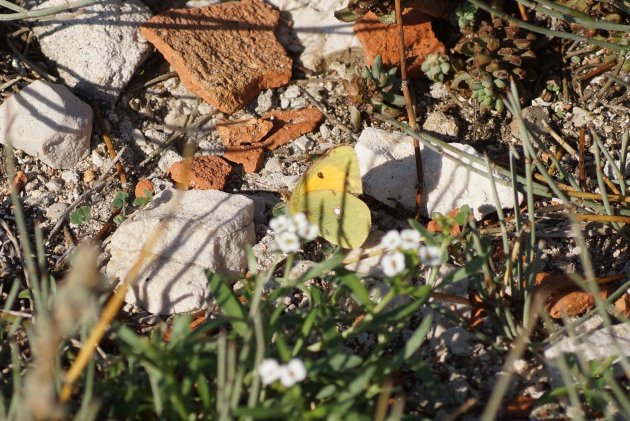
39 14
411 114
110 311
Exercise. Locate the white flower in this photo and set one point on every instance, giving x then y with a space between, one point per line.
269 371
391 240
410 239
393 263
288 242
292 373
429 255
281 224
305 229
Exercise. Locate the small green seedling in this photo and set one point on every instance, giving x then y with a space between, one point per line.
81 215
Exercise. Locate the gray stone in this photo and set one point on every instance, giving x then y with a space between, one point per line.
388 170
97 50
441 124
581 117
54 211
318 31
457 340
200 229
533 116
47 121
597 345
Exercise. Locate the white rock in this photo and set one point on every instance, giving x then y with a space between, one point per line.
457 340
97 50
597 345
581 117
388 170
168 158
318 30
442 124
201 229
438 90
47 121
54 211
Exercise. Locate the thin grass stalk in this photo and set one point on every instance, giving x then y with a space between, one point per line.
256 317
610 160
30 271
16 368
12 6
569 382
590 285
42 286
608 302
555 162
622 160
497 204
602 187
45 12
620 395
440 147
487 273
548 32
519 347
518 218
573 16
222 404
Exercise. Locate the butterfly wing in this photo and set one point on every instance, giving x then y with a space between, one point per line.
337 170
342 218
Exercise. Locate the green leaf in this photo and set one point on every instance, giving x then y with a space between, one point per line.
321 268
462 216
229 303
377 67
351 281
120 199
119 219
347 15
81 215
466 271
144 199
25 294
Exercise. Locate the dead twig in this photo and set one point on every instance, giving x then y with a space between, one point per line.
108 142
411 114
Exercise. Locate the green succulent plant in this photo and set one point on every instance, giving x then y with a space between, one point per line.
494 54
465 15
436 67
377 89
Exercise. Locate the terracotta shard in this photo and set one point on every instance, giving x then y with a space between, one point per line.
289 125
226 53
564 298
378 38
250 158
144 188
238 133
207 172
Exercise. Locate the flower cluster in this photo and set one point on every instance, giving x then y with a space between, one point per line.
289 374
396 243
289 231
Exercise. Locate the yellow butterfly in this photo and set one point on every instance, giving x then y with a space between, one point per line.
326 195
